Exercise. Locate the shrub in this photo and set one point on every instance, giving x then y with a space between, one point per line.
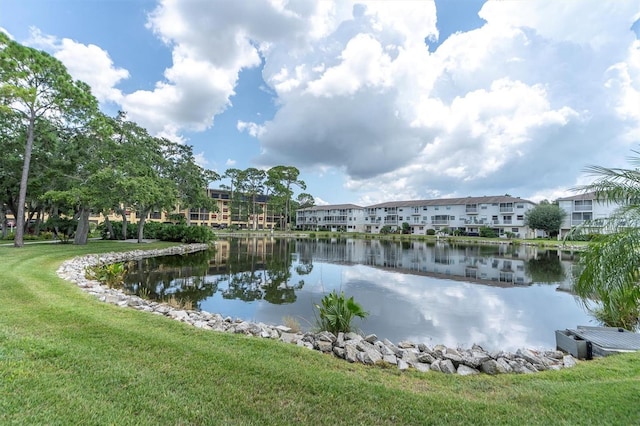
112 275
336 312
186 234
152 230
431 232
487 232
386 229
132 230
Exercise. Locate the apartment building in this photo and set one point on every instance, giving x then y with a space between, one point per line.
222 218
584 208
502 213
337 217
228 215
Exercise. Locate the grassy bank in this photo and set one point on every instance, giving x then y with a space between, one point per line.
66 358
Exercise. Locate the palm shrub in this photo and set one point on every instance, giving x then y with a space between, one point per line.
112 274
336 312
609 280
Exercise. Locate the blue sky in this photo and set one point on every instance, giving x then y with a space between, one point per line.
372 101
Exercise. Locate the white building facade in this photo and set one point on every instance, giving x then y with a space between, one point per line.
503 214
337 217
584 208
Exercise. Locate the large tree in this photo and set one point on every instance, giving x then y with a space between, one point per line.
611 264
252 185
35 85
546 217
282 179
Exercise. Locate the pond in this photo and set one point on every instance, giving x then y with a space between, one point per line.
501 297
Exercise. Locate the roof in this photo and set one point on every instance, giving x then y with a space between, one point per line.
332 207
453 201
585 196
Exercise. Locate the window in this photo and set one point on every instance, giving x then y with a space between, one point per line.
520 206
582 205
579 217
515 230
520 217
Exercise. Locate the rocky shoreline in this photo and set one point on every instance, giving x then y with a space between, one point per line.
349 346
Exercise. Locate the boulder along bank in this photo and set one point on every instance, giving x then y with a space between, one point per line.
351 347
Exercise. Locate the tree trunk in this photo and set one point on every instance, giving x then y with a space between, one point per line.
109 226
123 213
4 223
22 197
82 231
141 220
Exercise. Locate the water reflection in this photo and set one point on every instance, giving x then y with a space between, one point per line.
499 296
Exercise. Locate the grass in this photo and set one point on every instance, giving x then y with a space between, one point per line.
66 358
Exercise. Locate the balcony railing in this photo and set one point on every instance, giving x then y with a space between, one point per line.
439 222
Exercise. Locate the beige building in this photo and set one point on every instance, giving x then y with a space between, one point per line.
222 218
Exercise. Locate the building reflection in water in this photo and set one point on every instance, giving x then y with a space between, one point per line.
426 291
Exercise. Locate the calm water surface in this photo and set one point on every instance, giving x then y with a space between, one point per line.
497 296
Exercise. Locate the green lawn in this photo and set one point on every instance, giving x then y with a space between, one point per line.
66 358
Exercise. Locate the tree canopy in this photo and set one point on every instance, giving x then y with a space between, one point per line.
545 216
34 86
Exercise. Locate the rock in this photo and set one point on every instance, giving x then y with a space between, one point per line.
325 336
283 328
162 309
369 357
339 352
402 365
446 366
350 352
371 338
568 361
439 350
503 365
406 345
423 348
435 365
425 357
464 370
490 367
453 357
421 366
179 315
529 356
408 355
289 337
383 349
390 359
323 346
352 336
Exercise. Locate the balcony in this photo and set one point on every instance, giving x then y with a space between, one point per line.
439 222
